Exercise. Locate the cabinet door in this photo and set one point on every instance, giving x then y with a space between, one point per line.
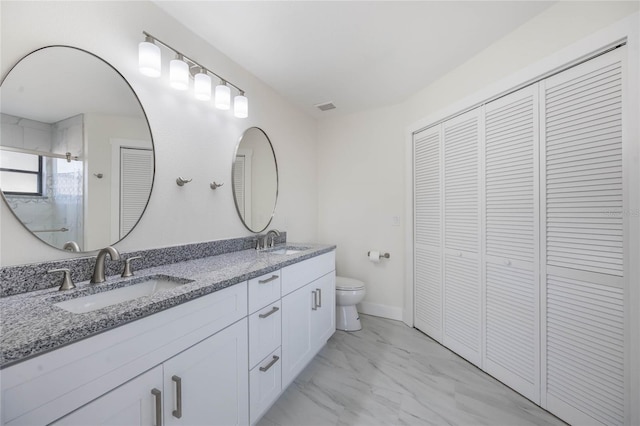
208 383
323 319
297 344
128 405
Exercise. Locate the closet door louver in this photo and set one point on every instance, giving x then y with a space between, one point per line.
427 226
136 178
584 285
462 289
511 326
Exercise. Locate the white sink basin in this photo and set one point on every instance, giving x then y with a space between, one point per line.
285 251
147 287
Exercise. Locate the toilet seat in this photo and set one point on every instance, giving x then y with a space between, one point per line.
349 284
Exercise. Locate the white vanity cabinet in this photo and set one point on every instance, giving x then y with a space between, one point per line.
203 341
308 312
203 385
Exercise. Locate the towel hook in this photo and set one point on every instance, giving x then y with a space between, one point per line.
215 185
181 181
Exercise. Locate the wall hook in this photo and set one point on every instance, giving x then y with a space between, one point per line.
215 185
98 175
181 181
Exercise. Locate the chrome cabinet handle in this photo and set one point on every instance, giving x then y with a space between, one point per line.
271 312
268 280
268 366
319 297
158 397
177 413
315 303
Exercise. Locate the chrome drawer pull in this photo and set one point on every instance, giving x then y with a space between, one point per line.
315 301
268 280
268 366
271 312
319 297
158 396
177 413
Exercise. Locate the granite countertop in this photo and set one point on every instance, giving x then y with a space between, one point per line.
31 325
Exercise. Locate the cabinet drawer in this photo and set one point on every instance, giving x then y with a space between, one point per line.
264 290
299 274
265 330
264 385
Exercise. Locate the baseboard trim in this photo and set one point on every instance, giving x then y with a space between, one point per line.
384 311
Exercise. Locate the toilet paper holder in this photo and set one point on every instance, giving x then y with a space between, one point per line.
385 255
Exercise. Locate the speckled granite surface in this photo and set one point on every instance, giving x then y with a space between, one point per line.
30 324
24 278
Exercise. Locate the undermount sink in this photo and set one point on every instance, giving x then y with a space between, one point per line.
287 250
144 286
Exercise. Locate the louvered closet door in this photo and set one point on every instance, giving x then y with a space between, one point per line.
136 179
461 217
584 285
512 310
427 228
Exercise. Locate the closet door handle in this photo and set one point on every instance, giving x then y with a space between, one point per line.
268 366
158 397
177 413
271 312
268 280
319 297
315 303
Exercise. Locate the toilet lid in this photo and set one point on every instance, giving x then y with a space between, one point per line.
344 283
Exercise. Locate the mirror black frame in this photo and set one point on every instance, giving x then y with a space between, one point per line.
148 126
233 184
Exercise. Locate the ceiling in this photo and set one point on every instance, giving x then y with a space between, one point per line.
357 54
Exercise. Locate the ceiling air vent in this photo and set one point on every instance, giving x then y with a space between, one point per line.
325 106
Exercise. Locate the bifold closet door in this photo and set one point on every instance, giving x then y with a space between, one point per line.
462 316
584 327
511 265
428 231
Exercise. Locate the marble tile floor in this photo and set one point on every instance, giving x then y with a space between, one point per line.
391 374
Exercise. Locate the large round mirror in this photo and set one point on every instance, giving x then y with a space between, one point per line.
255 179
76 152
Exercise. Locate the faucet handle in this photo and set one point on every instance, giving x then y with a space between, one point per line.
67 283
128 272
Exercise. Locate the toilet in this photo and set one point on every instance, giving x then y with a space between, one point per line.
349 292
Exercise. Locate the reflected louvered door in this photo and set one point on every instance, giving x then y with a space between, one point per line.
427 228
136 179
462 330
584 329
511 299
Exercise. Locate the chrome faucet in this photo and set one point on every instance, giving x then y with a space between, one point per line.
272 233
98 271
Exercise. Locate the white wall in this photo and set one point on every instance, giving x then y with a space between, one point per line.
374 188
191 139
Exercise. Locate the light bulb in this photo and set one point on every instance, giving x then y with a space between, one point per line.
149 58
202 86
241 106
179 74
223 96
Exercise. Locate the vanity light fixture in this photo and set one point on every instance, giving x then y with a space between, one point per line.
223 96
179 73
181 68
241 106
149 58
202 85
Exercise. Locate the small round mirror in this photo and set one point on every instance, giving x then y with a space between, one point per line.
255 179
76 153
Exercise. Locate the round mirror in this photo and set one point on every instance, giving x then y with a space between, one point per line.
255 179
76 152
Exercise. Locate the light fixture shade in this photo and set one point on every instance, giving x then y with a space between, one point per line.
223 96
179 74
149 59
202 86
241 106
